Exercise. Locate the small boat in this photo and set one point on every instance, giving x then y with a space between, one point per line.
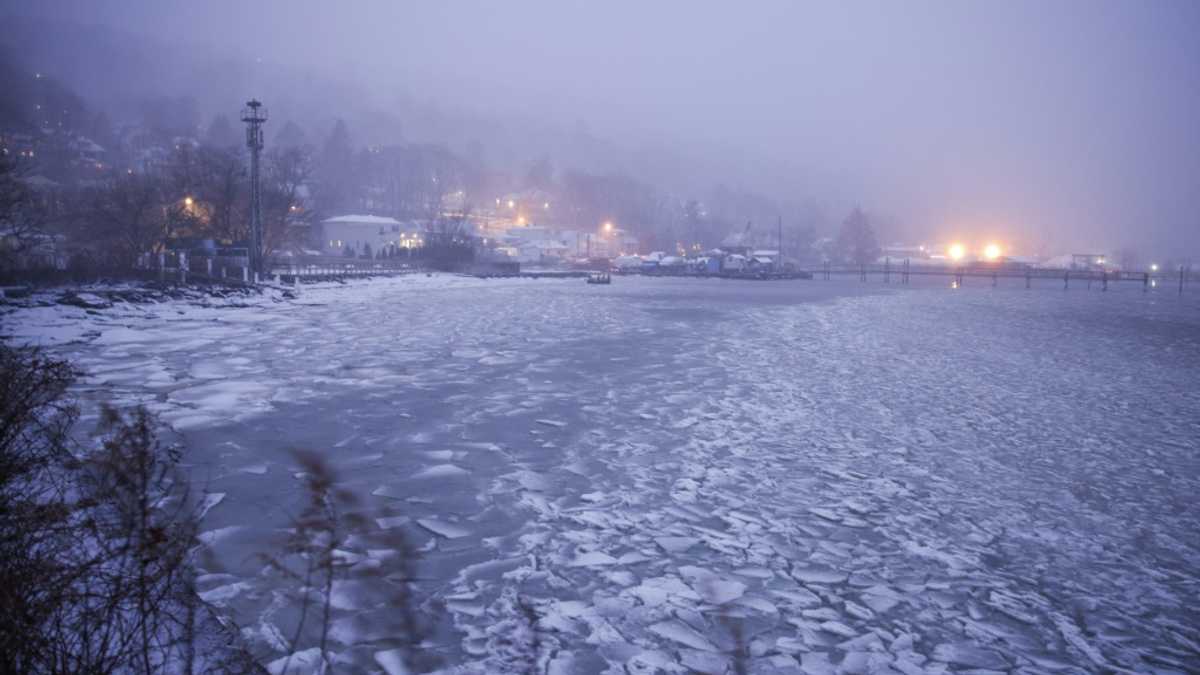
599 278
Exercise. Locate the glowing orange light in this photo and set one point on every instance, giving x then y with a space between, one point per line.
957 251
991 251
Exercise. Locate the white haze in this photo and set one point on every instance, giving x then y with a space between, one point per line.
1067 124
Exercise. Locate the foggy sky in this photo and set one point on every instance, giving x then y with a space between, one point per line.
1059 124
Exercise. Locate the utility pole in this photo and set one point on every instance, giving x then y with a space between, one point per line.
254 115
779 241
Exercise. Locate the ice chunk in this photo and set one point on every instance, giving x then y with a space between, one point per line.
552 423
754 572
721 591
443 528
658 590
389 491
799 596
210 500
839 628
676 544
683 634
880 598
307 662
221 594
392 522
859 612
703 662
533 481
213 536
970 656
816 663
758 604
392 662
592 559
816 575
442 471
711 587
1071 633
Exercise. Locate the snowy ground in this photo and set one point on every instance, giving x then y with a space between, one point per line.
855 477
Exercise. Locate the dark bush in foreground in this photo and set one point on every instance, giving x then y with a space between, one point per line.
95 545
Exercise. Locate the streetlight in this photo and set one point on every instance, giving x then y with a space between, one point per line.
1153 267
991 252
957 251
608 226
187 201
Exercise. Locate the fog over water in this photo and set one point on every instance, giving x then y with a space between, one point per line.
1054 126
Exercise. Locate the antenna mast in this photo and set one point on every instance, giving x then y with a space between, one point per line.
255 115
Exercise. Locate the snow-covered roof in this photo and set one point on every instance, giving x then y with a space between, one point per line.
763 260
365 220
1058 262
768 253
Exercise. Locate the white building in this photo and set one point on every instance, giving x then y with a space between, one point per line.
361 233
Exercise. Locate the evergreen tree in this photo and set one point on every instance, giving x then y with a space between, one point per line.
290 136
336 177
856 242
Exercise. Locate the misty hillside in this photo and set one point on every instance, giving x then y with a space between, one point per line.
221 82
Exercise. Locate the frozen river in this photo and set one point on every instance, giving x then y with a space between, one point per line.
849 476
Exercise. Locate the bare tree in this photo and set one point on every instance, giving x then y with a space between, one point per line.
35 531
95 562
448 240
332 520
287 170
219 189
124 219
130 607
20 218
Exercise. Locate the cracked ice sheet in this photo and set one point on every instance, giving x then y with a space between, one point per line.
920 479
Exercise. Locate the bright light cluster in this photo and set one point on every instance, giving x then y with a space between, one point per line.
990 252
